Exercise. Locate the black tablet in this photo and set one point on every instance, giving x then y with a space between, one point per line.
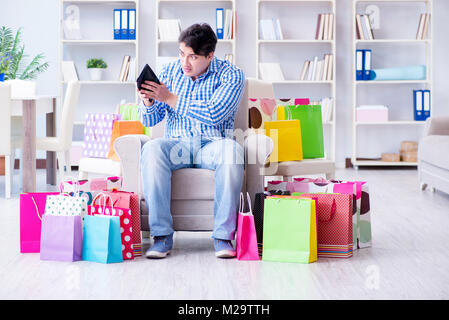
147 74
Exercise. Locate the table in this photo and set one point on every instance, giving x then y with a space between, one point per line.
27 107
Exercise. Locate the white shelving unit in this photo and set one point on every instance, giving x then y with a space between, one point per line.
400 38
96 24
296 41
188 11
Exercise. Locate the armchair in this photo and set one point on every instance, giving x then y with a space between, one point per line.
193 208
433 154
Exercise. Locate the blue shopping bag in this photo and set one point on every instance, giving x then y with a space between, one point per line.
101 239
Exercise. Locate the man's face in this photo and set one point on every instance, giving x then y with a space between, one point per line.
193 65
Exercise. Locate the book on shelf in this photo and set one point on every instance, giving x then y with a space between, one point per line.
69 72
227 31
326 109
364 29
229 57
325 27
318 70
270 29
421 105
124 68
169 29
423 26
271 71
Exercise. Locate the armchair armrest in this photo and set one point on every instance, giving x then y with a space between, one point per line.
437 126
258 148
128 149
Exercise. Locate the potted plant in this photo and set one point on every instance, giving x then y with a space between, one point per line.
95 68
12 52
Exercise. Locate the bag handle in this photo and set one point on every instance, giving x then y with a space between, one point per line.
241 206
105 197
37 209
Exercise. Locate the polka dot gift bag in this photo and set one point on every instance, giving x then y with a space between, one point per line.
97 134
126 227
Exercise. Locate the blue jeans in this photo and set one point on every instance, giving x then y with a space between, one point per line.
162 156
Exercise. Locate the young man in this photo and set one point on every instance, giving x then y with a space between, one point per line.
199 94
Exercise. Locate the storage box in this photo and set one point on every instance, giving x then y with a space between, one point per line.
391 157
372 113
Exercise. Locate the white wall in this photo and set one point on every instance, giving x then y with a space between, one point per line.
39 20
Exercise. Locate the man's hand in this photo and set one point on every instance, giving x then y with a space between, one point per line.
151 90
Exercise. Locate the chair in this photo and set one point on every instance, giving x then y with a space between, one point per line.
433 155
62 143
193 208
6 148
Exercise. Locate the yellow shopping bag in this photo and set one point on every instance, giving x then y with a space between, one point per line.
286 136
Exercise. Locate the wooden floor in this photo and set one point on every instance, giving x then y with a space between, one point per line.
409 259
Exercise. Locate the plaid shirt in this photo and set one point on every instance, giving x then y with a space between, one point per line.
205 107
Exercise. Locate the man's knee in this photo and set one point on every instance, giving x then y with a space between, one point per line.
154 149
229 152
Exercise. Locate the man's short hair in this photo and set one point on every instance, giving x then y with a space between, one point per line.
200 37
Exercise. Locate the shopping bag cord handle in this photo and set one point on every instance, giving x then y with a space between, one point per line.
333 209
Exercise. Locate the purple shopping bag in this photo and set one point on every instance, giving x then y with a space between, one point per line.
246 244
61 238
97 134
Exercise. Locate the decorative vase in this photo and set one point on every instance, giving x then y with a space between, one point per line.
2 77
95 74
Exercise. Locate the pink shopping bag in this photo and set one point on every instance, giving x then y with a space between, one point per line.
246 233
32 207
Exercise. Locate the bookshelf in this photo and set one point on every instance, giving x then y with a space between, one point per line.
298 43
187 12
97 41
390 47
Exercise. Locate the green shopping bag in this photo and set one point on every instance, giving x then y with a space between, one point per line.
129 112
289 230
311 128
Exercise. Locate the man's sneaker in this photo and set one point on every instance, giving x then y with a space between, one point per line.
161 247
224 249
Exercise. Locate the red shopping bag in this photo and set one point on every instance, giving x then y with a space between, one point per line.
129 200
334 213
126 229
246 233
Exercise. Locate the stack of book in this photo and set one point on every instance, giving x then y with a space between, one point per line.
127 71
270 29
325 27
169 29
363 27
225 24
229 57
318 70
423 26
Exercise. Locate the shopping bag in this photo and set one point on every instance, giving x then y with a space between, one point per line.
289 230
311 128
61 238
124 214
334 213
361 219
258 219
129 200
90 187
281 103
287 141
260 111
121 128
246 243
65 205
97 134
32 208
129 111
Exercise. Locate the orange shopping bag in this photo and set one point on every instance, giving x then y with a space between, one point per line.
121 128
